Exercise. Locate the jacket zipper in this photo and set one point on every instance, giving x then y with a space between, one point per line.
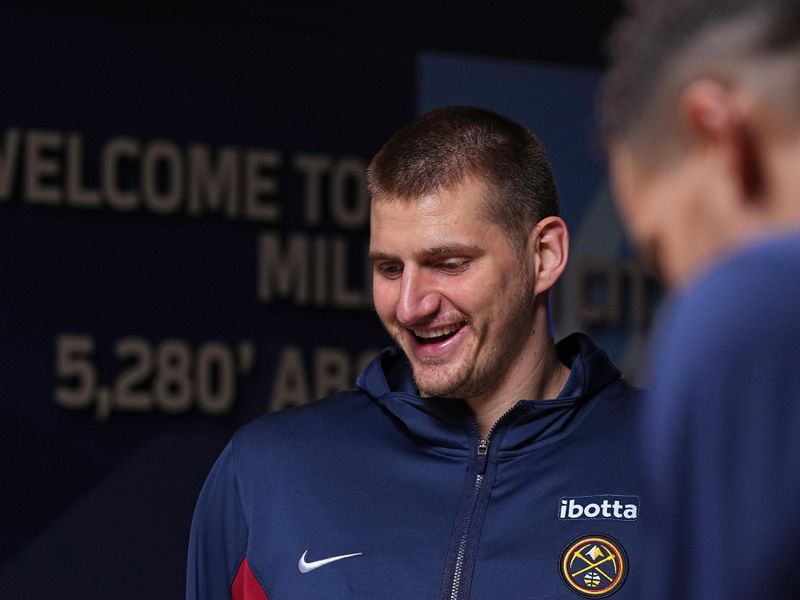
482 451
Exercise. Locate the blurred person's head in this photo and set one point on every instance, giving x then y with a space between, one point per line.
700 112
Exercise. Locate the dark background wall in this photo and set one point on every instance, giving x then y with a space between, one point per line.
568 32
182 230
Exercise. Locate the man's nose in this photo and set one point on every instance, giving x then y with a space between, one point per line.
419 300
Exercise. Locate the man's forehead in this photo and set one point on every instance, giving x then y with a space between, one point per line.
469 187
398 206
466 201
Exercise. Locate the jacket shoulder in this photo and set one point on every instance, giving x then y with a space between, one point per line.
335 415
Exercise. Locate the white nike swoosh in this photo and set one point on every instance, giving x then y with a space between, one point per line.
306 567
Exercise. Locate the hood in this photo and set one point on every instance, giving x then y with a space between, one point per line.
590 368
448 422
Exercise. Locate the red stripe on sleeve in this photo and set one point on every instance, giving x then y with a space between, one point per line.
245 586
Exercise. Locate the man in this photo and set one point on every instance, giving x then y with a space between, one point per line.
702 117
475 459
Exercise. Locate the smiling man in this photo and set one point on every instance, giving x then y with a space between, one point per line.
476 458
464 302
701 113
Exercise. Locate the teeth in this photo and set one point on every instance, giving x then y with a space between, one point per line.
432 333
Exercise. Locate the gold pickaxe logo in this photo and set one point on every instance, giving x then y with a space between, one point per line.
594 566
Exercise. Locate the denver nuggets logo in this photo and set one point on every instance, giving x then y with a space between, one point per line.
594 566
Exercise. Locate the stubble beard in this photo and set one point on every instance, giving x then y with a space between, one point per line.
484 371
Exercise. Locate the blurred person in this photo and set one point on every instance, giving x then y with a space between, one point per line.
476 458
701 117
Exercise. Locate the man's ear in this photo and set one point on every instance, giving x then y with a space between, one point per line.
549 245
716 122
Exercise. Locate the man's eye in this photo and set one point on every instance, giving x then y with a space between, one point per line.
390 271
453 265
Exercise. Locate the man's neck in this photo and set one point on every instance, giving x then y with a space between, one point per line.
536 374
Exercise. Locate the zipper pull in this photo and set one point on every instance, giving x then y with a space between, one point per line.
483 451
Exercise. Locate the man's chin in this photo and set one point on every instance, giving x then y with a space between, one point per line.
443 377
439 387
438 392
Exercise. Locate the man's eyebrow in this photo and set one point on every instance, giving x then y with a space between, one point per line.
377 255
450 249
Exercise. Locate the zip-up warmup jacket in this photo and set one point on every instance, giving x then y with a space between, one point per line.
379 494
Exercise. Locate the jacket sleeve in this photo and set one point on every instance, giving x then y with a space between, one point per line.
218 538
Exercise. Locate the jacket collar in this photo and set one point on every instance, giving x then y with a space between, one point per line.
448 422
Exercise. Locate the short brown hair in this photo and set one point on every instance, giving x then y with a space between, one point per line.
443 147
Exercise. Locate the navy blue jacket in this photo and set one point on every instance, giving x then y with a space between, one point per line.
722 432
411 504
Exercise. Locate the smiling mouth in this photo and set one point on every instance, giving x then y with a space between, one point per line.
437 335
